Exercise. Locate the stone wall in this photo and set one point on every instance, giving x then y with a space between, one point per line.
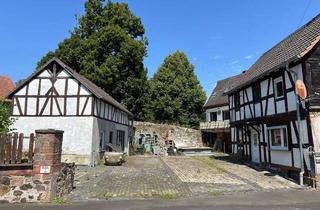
183 137
25 188
34 184
65 179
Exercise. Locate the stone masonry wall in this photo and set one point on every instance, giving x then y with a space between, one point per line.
25 188
34 185
183 137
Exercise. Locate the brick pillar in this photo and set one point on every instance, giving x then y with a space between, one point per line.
47 152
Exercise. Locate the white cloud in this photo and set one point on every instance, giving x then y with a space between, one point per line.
216 57
194 58
234 62
248 57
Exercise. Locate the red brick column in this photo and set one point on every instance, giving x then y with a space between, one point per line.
47 152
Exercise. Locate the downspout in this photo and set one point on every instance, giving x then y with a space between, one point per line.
295 74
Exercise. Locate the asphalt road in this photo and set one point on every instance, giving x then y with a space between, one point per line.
294 199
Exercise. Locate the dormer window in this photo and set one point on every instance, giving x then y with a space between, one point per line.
278 88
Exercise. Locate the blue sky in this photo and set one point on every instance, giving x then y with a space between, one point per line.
221 38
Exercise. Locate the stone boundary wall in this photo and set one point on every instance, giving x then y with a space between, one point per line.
35 184
183 137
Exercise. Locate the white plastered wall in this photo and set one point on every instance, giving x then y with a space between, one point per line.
216 109
101 125
77 137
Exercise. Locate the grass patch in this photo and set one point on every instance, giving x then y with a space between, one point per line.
216 193
101 162
59 201
212 163
108 195
168 196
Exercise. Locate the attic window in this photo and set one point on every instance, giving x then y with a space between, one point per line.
278 88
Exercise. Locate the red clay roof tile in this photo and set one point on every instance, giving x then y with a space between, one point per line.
6 86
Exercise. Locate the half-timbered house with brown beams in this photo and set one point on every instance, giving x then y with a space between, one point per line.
217 117
262 103
57 97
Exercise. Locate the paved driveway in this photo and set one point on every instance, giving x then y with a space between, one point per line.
171 177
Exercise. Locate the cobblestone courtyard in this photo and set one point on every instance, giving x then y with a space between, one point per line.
164 177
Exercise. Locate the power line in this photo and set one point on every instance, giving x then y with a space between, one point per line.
304 13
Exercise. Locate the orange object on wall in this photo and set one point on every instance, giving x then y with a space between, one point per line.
301 89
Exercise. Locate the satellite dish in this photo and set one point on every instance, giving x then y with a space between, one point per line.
301 89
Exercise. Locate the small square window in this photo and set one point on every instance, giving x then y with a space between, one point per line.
278 138
225 115
213 116
278 87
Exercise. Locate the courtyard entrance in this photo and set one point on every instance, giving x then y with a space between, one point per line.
150 177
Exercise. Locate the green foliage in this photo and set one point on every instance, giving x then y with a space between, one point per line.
212 163
108 195
168 196
5 120
176 95
60 200
216 193
108 47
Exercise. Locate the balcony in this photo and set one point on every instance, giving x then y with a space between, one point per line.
215 126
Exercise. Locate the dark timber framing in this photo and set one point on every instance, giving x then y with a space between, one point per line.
53 104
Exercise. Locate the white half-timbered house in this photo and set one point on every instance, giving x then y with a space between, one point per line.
217 124
57 97
262 104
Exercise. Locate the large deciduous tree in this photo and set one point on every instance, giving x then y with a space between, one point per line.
176 95
108 47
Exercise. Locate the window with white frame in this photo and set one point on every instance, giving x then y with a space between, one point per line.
278 87
278 137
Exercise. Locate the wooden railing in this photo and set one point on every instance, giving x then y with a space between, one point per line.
15 151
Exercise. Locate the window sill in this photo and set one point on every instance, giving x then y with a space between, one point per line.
279 97
285 149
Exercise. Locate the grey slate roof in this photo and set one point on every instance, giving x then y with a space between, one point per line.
218 96
94 89
291 49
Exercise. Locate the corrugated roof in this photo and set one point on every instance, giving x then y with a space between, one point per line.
6 86
93 88
291 49
218 96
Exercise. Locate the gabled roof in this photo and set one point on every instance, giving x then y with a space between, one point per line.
94 89
6 86
218 96
291 49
